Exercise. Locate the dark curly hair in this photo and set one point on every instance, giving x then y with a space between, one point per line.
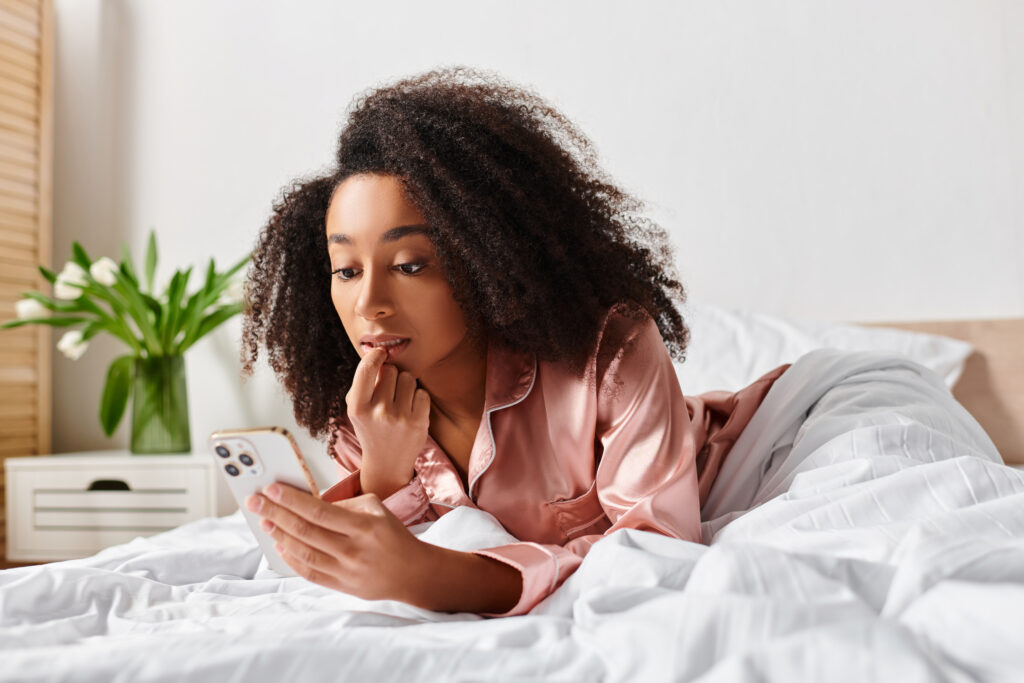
537 244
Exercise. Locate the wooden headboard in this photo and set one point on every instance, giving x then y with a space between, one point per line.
992 385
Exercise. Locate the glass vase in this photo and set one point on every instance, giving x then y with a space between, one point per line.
160 406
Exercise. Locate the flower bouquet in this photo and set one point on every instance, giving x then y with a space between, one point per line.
157 326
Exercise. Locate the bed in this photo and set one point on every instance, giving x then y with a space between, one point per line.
864 527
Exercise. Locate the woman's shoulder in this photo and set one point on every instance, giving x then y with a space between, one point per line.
629 338
623 327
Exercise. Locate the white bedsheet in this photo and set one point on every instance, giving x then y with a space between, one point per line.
885 541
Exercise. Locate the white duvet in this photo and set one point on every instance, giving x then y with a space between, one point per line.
863 528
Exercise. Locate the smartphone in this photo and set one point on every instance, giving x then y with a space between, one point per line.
251 459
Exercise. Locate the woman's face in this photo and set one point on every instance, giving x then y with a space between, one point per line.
386 282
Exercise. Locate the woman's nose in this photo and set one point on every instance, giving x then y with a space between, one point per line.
373 301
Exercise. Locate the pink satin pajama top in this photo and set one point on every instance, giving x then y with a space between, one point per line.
561 461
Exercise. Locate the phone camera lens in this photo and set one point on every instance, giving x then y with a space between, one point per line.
232 470
223 452
246 460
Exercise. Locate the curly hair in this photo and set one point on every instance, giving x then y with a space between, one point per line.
535 241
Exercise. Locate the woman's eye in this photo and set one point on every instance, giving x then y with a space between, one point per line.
344 273
406 268
411 268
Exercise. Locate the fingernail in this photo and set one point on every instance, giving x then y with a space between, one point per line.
278 547
273 492
254 503
267 525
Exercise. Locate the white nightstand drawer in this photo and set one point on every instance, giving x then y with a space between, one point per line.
85 519
136 476
66 506
50 498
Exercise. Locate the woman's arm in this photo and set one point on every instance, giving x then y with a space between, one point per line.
455 581
358 546
381 461
382 483
390 416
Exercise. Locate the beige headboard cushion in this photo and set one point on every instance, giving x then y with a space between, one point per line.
992 385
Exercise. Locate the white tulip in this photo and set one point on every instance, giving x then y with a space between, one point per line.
30 309
103 271
71 344
73 274
65 290
69 282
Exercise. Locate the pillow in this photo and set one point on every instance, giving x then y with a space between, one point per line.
729 349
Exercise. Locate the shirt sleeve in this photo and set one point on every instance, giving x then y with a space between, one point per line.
409 503
646 476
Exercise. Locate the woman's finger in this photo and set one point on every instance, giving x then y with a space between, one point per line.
365 377
385 391
306 554
312 574
300 514
421 406
405 387
279 523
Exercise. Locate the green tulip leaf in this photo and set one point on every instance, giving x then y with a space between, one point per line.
52 322
127 269
210 323
116 393
226 275
150 261
154 306
92 329
79 256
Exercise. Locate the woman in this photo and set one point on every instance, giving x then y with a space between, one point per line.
475 316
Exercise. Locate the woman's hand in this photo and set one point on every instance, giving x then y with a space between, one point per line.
357 545
390 420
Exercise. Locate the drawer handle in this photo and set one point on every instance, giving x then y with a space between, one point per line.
109 485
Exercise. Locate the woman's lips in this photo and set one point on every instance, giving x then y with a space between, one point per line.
392 349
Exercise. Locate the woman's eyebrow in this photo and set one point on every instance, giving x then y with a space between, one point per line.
392 235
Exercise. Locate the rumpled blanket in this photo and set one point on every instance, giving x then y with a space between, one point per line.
862 528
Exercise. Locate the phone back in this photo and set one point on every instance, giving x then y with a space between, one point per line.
251 459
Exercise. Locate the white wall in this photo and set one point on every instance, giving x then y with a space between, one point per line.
849 160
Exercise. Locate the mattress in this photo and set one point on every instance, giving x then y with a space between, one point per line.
863 528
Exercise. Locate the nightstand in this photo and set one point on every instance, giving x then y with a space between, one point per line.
72 505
